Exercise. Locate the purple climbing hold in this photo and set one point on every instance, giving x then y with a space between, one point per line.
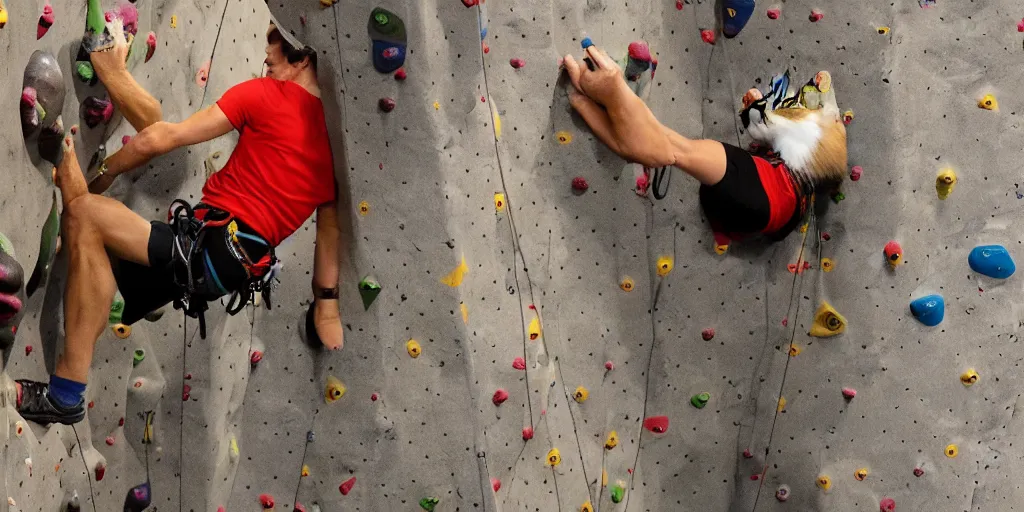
96 110
386 104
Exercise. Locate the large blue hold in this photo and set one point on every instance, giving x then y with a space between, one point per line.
929 310
735 15
992 260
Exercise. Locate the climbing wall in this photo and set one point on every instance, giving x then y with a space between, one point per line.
545 337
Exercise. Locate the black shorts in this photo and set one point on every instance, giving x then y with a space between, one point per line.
738 203
216 273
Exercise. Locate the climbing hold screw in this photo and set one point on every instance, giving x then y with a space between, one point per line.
856 172
386 104
893 253
122 331
849 393
563 137
816 15
952 451
988 102
826 265
969 377
579 184
364 208
500 395
554 458
861 474
346 486
918 472
700 400
517 63
887 505
708 334
266 501
794 351
429 503
581 394
612 441
519 363
527 433
782 493
824 482
413 348
138 356
499 202
664 265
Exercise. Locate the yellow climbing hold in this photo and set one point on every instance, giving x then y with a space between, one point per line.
364 208
827 322
437 106
612 441
334 389
234 448
665 265
945 182
465 313
499 202
554 457
122 331
604 478
413 348
534 328
454 278
563 137
3 15
174 21
952 451
497 121
988 102
581 394
626 284
305 470
782 404
826 265
587 507
824 482
720 249
861 474
969 377
803 228
883 31
328 3
794 350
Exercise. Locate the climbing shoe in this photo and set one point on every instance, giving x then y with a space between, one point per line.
34 404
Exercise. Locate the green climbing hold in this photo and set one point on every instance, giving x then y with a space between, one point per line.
700 400
381 18
838 196
94 18
618 491
85 71
369 289
429 503
138 356
116 310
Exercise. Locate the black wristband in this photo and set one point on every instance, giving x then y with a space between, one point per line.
326 293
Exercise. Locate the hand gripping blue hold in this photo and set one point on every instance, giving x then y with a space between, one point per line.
735 15
992 260
929 310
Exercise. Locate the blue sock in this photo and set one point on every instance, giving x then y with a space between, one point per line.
66 393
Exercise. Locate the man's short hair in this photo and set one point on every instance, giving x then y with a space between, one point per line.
290 52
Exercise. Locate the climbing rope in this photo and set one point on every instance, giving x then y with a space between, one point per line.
92 492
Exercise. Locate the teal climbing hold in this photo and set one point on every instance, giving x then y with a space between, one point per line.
992 260
929 310
369 289
586 43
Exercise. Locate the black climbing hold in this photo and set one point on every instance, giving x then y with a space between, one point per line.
138 498
311 337
369 289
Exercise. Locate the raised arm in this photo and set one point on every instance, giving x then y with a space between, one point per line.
327 257
161 138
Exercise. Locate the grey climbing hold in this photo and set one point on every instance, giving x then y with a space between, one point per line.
42 97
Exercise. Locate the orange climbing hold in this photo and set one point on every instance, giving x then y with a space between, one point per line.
122 331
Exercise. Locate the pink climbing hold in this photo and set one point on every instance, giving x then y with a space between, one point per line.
519 363
386 104
918 472
120 422
608 365
816 15
470 3
640 51
887 505
785 321
679 5
96 110
773 14
255 357
221 509
517 63
487 49
495 484
579 184
708 36
347 485
400 74
45 21
266 501
101 470
110 440
708 334
129 15
373 397
657 424
642 182
856 172
527 433
747 454
849 393
125 140
186 392
28 350
188 376
150 45
499 396
1020 26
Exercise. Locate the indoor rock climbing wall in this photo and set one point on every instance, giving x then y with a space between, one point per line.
538 347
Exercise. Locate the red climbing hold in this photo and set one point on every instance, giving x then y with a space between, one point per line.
531 307
255 357
347 485
519 363
608 365
120 422
708 36
747 454
755 477
826 237
400 74
785 321
386 104
816 15
470 3
887 505
1020 26
849 393
640 51
150 45
125 140
92 404
773 14
483 100
495 484
679 5
110 440
516 63
579 184
708 334
487 49
188 376
527 433
28 349
642 182
918 472
267 501
101 469
45 21
373 397
186 392
499 396
657 424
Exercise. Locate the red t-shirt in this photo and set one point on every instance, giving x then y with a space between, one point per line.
780 191
282 168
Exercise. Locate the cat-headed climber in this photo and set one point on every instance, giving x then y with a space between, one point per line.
741 194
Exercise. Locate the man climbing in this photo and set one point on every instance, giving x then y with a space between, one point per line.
740 193
280 172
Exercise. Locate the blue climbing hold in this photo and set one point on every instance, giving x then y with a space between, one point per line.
735 15
929 310
992 260
586 43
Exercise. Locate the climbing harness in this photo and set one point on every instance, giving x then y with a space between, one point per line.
190 226
657 178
